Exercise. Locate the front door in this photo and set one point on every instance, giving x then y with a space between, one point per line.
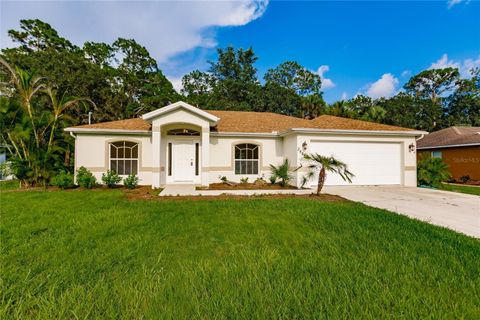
183 161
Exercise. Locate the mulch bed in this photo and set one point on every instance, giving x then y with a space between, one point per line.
246 186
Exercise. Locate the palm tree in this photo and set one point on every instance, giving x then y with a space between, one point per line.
322 164
59 105
27 86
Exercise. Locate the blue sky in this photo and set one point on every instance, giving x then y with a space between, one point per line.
358 47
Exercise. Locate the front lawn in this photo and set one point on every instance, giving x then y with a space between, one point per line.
461 189
96 255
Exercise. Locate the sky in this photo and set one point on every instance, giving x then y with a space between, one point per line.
357 47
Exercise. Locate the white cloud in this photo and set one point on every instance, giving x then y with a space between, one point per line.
451 3
176 82
406 73
383 87
464 66
326 82
164 28
344 96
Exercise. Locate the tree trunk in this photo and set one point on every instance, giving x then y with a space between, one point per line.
321 180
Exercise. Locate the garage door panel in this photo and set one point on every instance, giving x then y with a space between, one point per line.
371 163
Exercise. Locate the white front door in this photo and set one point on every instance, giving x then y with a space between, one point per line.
183 161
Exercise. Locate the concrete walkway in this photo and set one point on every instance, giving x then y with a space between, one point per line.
456 211
178 190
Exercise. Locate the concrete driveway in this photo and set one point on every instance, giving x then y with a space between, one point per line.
456 211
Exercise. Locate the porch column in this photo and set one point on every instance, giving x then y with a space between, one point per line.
156 147
205 163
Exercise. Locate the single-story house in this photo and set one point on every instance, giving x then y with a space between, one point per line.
182 144
459 147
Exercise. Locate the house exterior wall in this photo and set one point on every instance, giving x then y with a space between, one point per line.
92 152
222 159
462 161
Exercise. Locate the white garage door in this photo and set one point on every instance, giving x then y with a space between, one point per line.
371 163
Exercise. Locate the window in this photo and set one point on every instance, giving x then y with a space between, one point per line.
183 132
437 154
124 157
246 158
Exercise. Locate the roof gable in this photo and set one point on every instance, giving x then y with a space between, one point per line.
180 105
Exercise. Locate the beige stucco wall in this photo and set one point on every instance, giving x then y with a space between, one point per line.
91 151
222 156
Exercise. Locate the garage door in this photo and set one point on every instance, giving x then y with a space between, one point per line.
371 163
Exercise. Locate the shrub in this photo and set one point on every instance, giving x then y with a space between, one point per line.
273 179
431 171
244 180
63 180
85 178
131 182
282 173
223 179
111 178
465 179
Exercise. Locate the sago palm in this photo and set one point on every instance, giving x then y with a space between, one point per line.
323 164
282 173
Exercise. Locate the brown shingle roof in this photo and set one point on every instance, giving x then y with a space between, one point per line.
332 122
258 122
451 136
128 124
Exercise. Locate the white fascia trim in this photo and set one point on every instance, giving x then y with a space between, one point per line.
450 146
342 131
108 131
244 134
180 104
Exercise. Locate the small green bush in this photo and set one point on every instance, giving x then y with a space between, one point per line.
223 179
131 182
432 171
85 178
273 179
63 180
111 178
465 179
282 173
244 180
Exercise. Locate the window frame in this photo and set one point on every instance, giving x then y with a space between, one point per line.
436 154
136 145
250 148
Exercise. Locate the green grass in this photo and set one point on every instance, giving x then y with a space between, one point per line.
95 255
461 189
9 185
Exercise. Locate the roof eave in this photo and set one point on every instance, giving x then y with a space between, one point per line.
108 131
180 104
450 146
415 133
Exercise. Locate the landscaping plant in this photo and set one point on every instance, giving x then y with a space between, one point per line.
281 172
63 180
318 164
432 171
85 178
111 178
131 182
244 180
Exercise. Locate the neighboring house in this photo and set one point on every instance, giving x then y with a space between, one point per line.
459 147
184 144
